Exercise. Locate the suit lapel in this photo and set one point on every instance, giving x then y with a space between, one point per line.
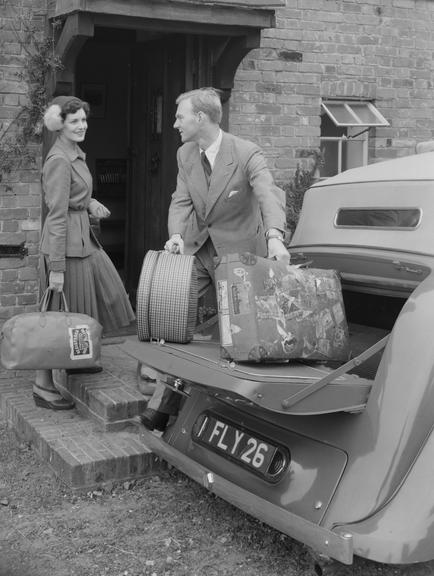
79 166
224 167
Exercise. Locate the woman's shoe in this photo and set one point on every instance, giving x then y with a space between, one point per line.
94 370
152 419
58 404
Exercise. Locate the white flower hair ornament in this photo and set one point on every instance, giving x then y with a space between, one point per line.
53 121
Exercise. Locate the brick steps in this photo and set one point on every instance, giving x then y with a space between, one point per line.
106 398
96 443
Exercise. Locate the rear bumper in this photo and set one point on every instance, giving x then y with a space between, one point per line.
333 544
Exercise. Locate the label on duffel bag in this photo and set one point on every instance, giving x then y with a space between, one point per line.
80 342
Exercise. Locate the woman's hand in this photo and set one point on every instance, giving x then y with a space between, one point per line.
55 281
98 210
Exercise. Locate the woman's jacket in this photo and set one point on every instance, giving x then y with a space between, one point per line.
67 189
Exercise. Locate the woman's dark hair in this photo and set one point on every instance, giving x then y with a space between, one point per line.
72 106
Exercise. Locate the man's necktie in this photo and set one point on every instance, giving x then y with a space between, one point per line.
206 166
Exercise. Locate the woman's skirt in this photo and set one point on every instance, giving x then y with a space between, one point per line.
92 286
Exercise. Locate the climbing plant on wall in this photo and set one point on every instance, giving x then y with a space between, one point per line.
20 136
305 175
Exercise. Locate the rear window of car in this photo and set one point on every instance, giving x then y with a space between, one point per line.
406 218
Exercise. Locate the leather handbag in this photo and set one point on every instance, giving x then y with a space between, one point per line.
50 339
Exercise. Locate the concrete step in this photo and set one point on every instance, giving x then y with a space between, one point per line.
99 441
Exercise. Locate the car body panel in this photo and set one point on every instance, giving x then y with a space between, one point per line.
307 485
402 531
369 473
334 543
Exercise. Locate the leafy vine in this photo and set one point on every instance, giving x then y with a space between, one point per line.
295 189
17 139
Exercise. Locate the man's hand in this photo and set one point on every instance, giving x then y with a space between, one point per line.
175 244
98 210
277 250
55 281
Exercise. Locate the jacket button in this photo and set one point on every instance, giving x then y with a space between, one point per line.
209 225
196 243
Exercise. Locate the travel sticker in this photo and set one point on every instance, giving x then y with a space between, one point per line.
326 319
80 342
339 340
225 330
241 273
324 346
222 296
338 312
240 298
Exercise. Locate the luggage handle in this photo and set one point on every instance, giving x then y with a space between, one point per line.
45 301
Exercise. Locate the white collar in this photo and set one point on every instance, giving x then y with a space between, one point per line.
212 150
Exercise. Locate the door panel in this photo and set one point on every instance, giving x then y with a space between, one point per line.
158 78
162 69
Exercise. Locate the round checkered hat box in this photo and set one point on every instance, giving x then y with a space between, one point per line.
167 298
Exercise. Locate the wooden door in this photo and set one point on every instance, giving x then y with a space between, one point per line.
158 78
162 69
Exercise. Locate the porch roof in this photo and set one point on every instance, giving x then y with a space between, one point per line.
182 14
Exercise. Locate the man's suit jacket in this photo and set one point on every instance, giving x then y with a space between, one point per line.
242 200
67 188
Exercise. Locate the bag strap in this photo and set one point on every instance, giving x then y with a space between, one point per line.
45 300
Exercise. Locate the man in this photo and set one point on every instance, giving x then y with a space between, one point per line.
225 202
229 210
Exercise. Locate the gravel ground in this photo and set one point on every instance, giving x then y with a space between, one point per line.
165 525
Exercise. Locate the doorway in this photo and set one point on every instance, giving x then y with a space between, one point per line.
131 80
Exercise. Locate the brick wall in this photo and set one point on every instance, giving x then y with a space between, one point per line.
20 194
376 49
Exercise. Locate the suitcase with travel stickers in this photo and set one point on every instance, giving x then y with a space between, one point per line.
272 311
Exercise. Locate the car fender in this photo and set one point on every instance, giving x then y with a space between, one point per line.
402 531
383 441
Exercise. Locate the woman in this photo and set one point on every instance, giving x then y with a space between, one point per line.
72 259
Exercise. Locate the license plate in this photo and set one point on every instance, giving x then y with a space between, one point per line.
250 451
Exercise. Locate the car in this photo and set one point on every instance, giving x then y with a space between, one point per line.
337 457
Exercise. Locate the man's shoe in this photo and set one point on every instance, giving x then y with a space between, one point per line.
152 419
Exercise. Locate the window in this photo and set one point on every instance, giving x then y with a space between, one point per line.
378 217
344 134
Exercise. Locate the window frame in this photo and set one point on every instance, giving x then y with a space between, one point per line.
340 140
346 104
377 209
357 130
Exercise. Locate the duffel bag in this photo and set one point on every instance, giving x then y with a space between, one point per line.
50 339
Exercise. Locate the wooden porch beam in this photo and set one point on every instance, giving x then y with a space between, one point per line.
188 12
76 30
229 58
77 26
165 26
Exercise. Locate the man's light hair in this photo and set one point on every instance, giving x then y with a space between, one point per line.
206 100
